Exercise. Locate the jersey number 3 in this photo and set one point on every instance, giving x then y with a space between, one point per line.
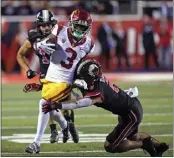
69 59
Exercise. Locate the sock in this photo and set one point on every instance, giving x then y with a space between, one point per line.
52 127
57 116
42 123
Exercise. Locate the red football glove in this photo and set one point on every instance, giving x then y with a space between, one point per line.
32 87
51 106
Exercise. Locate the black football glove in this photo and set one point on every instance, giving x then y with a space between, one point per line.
30 74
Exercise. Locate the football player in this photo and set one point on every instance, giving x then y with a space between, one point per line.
72 45
44 21
98 91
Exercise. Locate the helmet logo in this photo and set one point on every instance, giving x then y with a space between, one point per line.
93 70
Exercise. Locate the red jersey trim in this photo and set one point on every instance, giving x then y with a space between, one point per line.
60 27
94 94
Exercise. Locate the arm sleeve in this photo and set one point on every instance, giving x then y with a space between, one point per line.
84 102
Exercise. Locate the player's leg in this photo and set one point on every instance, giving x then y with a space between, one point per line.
50 92
54 134
69 116
117 140
60 92
160 147
52 124
41 126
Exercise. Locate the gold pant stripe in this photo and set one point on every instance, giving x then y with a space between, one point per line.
64 92
63 96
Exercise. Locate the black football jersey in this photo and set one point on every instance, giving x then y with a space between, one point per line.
114 98
34 35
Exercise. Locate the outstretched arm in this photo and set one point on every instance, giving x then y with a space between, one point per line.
84 102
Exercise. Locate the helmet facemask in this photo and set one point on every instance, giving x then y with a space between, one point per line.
46 28
46 20
79 29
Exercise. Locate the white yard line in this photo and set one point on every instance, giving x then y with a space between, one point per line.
88 116
71 152
93 125
84 138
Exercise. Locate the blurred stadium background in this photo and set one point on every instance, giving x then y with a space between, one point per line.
124 17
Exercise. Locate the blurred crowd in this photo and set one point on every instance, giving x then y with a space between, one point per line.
115 38
111 38
30 7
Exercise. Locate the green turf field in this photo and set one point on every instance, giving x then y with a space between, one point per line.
19 121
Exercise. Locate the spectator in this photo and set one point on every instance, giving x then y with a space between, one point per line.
165 10
165 47
148 42
119 35
105 7
104 36
24 8
86 5
8 8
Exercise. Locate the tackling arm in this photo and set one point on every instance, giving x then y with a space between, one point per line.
84 102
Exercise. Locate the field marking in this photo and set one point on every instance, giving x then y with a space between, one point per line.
88 116
4 109
72 152
93 125
84 138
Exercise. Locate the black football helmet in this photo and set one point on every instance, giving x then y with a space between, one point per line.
45 17
89 70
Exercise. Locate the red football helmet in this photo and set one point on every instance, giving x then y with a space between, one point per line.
80 23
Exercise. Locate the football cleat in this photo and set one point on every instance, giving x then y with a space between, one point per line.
54 137
149 147
161 149
33 148
65 133
74 133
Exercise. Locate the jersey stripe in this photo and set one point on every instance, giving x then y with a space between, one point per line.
45 15
60 27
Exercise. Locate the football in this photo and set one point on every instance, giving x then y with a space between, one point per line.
52 39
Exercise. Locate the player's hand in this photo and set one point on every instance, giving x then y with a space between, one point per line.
30 74
132 92
49 106
49 48
32 87
81 83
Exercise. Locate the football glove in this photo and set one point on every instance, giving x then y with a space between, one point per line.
49 106
132 92
30 74
49 48
32 87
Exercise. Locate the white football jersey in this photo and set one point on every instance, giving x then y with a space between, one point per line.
64 60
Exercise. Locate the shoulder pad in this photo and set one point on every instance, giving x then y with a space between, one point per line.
34 35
